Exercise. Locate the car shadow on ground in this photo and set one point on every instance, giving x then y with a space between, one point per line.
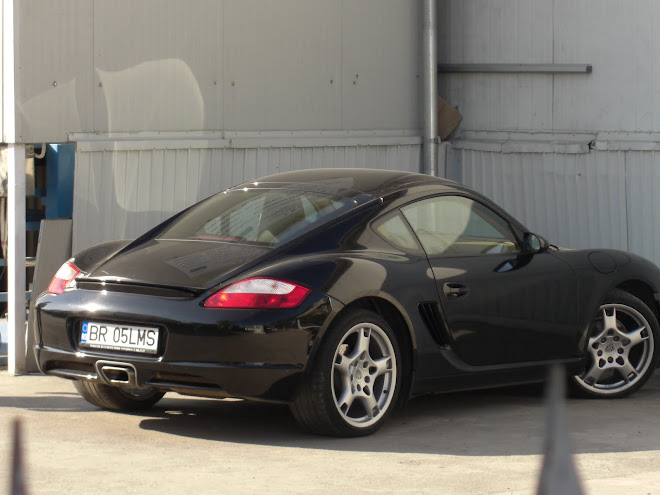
501 422
48 402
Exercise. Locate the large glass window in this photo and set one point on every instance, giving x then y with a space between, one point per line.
266 217
458 226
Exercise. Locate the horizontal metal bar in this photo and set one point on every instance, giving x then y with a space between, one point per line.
517 68
29 262
243 143
227 135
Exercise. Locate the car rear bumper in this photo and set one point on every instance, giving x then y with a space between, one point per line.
255 381
206 352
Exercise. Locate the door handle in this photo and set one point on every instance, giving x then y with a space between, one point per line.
453 291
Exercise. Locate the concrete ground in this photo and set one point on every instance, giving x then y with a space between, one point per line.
468 443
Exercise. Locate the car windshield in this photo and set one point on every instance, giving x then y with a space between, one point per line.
264 217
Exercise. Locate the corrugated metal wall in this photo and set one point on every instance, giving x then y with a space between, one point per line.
123 188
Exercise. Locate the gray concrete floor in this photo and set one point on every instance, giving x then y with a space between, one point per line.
469 443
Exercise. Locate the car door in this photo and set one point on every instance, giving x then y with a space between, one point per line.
501 305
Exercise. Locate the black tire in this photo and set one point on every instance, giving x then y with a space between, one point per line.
622 351
359 360
116 399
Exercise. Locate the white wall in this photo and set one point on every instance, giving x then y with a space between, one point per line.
621 39
206 65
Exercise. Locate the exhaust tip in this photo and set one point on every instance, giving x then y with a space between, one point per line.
117 373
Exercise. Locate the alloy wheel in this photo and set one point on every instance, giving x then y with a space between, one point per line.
620 350
364 374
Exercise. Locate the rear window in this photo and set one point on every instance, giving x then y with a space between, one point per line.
264 217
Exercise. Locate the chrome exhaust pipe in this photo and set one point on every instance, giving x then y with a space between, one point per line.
117 374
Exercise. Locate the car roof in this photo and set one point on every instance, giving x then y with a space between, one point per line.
349 182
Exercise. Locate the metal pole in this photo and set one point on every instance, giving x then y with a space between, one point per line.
16 261
15 155
430 88
558 475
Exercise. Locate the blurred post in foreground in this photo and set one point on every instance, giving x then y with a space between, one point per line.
558 476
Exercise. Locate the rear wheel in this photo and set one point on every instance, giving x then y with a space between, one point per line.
355 381
117 399
621 354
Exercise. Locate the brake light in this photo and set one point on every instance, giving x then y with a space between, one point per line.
63 278
259 293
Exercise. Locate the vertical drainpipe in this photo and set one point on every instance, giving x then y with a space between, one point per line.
429 88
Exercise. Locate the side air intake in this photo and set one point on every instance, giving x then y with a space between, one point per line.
433 320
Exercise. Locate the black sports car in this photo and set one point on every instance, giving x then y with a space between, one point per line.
343 293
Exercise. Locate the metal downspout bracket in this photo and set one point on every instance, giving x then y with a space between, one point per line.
558 475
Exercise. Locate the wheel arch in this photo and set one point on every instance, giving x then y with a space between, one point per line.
401 326
642 291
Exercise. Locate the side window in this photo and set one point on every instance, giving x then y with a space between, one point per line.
395 231
458 226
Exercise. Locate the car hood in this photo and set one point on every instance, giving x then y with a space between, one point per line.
178 263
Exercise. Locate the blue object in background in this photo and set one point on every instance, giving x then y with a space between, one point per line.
59 180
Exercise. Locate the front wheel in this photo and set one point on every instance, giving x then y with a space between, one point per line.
621 353
117 399
354 383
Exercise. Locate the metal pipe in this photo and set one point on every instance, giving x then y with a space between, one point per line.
429 88
518 68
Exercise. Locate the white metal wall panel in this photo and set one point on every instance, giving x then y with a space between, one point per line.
282 64
643 203
158 65
575 200
497 31
622 41
54 69
210 65
381 63
496 102
122 193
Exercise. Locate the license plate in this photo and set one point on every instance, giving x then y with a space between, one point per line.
115 337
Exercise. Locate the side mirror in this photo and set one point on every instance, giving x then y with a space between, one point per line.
533 243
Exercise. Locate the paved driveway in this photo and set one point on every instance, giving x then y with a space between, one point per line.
468 443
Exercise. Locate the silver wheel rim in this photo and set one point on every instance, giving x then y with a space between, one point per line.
620 350
363 375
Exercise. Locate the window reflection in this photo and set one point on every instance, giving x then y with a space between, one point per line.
458 226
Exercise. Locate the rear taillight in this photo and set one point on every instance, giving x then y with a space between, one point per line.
63 278
259 293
